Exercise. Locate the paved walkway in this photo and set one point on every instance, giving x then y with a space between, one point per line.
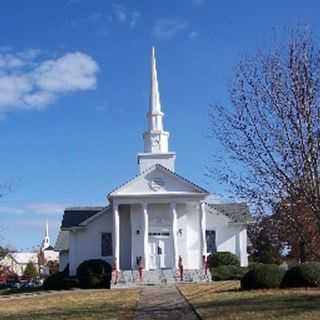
163 303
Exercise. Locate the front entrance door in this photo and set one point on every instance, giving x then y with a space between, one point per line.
159 250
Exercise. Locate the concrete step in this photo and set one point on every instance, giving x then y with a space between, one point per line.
161 276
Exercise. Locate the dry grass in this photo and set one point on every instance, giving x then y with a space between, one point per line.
224 301
81 305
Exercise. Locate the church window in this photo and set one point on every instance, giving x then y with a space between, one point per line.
106 244
211 241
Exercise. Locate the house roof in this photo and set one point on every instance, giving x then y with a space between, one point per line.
50 248
73 217
24 257
197 188
237 212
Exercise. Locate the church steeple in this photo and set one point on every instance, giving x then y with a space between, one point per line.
46 240
155 138
155 105
156 149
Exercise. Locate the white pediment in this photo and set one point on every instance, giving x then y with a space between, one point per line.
158 180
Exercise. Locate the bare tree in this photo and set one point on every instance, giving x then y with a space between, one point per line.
271 131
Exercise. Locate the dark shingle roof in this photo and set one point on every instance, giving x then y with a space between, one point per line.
237 212
72 217
49 248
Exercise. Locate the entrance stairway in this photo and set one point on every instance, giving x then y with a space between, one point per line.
160 277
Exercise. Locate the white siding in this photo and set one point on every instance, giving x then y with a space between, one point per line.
63 260
86 244
229 237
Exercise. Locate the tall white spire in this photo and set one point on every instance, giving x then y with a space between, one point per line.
156 148
47 230
46 240
155 105
155 139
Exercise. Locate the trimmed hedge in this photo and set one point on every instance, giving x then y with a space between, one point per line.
223 258
57 281
228 272
94 274
264 276
304 275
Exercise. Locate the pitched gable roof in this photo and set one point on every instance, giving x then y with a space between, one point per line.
195 188
237 212
73 217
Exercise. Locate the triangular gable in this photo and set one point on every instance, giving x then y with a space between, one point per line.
158 180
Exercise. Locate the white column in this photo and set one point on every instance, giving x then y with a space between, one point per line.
203 228
116 232
146 236
174 233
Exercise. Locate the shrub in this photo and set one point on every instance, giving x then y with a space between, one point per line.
30 272
57 281
263 276
94 274
223 258
304 275
228 272
66 271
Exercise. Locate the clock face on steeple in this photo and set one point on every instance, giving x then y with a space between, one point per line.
155 141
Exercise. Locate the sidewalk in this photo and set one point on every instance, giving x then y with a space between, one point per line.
163 303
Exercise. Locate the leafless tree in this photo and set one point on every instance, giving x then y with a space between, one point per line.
271 130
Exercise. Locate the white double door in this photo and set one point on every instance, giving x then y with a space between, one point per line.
160 251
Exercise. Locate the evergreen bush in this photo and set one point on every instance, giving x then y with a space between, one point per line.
263 276
223 258
304 275
228 272
94 274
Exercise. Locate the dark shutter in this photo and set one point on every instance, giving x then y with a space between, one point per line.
106 244
211 241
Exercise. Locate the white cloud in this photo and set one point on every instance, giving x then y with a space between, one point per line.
135 15
73 71
11 210
40 223
26 83
198 2
193 34
42 208
168 27
125 15
46 208
120 12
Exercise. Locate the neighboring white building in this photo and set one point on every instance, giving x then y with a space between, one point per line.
17 261
158 215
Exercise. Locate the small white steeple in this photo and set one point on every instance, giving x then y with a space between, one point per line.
46 240
155 138
156 148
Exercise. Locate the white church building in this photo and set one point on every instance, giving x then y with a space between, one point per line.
158 215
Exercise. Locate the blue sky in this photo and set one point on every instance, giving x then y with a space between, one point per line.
74 86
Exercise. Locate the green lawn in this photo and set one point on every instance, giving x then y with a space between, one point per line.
74 305
218 301
224 301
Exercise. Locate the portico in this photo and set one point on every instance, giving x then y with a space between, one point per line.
158 229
